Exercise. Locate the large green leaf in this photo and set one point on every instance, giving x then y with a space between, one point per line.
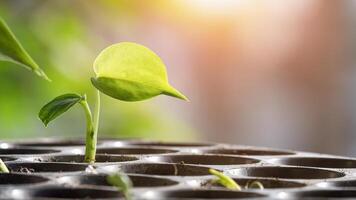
58 106
12 51
131 72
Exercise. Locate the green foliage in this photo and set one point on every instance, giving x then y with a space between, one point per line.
12 51
63 103
131 72
122 182
125 71
52 44
254 185
3 168
58 106
224 180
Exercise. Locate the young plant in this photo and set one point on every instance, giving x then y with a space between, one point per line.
229 183
124 71
122 182
224 180
12 51
254 185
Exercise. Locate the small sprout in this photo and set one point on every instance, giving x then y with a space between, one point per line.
12 51
224 180
3 168
60 105
254 185
125 71
122 182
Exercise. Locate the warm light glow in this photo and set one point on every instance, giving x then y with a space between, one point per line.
221 7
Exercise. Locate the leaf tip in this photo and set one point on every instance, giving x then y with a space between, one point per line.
171 91
42 74
44 122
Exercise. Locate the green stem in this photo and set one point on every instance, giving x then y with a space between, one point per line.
3 168
91 137
97 113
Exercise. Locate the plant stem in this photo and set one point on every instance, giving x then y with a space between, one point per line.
3 168
97 113
90 143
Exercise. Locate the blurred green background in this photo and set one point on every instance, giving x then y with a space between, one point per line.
64 38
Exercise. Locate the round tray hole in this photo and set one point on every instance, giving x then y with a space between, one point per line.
286 172
80 158
160 169
267 183
100 180
45 167
19 179
134 151
316 162
204 159
318 194
247 152
200 194
171 144
75 193
26 151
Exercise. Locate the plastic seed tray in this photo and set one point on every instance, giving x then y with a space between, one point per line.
54 168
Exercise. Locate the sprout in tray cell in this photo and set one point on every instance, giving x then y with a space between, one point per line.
122 182
124 71
230 184
224 180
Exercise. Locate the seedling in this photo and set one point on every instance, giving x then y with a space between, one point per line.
229 183
224 180
254 185
124 71
122 182
12 51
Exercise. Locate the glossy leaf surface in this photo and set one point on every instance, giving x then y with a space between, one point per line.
131 72
58 106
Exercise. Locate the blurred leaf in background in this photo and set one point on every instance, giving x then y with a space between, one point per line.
11 50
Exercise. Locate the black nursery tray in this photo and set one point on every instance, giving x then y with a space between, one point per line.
52 168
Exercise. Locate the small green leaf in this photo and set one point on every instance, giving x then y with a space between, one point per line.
12 51
131 72
225 180
122 182
254 185
3 168
58 106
